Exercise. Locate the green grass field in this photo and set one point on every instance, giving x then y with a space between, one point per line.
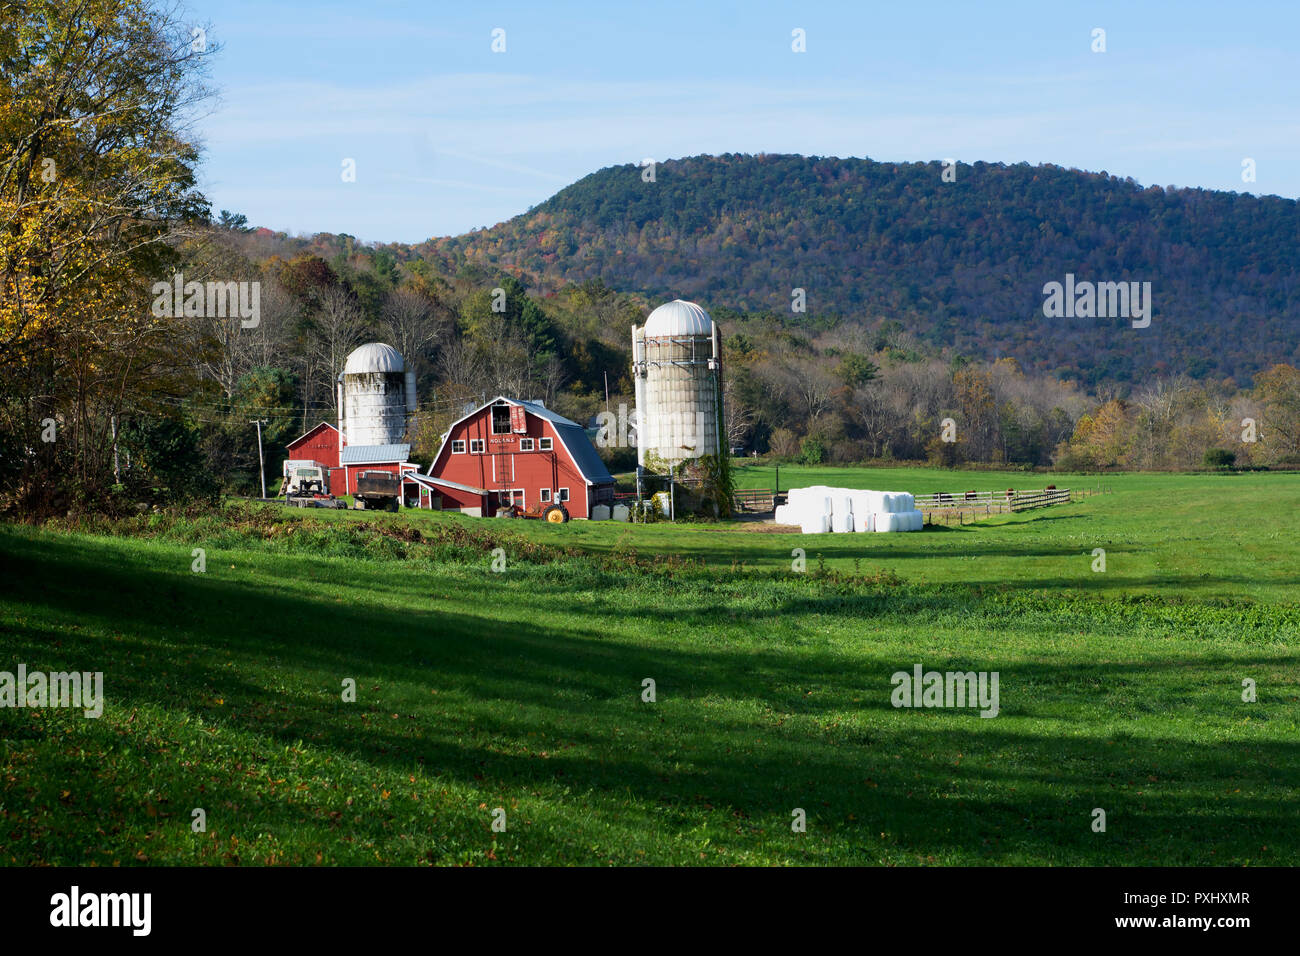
522 689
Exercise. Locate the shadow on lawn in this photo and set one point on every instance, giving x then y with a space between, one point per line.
740 735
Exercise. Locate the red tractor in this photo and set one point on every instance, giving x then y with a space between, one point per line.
550 513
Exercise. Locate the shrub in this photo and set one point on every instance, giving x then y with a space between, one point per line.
811 452
1219 458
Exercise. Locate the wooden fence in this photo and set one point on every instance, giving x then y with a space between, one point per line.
759 500
940 506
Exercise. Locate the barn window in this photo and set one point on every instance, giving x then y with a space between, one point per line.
564 495
546 495
525 444
500 419
544 444
458 448
476 446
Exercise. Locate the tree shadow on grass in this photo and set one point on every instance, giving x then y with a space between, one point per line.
738 737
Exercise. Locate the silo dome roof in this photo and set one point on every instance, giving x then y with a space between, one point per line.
678 317
374 357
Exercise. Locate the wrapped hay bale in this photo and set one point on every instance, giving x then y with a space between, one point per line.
815 524
888 521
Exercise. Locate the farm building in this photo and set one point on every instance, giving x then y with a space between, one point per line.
515 452
376 398
343 462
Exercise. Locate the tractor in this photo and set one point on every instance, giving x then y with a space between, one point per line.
548 512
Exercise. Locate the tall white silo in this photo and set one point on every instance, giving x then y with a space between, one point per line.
677 368
376 396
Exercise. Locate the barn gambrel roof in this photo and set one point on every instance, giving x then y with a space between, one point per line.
571 435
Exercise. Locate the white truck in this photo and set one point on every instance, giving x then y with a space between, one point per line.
306 485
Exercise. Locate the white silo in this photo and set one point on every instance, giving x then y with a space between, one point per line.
677 368
376 396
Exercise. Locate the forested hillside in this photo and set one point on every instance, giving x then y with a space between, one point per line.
959 264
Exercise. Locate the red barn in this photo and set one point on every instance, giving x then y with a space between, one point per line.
511 451
320 444
343 464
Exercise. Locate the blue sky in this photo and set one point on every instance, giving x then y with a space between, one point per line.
448 135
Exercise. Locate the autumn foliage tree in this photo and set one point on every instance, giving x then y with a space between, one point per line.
97 171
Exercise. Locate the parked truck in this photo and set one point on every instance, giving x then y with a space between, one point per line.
306 485
378 490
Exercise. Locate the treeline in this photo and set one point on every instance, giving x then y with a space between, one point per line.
468 337
842 394
812 390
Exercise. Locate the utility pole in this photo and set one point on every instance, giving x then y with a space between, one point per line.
607 392
261 462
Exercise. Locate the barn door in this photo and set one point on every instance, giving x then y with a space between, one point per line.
518 419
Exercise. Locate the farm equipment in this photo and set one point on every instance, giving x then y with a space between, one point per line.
305 485
378 490
550 513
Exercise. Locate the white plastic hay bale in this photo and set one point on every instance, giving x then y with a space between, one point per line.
888 521
901 502
819 524
782 515
870 502
842 522
620 512
912 520
600 512
864 521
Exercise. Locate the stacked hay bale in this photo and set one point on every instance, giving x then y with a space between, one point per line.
819 509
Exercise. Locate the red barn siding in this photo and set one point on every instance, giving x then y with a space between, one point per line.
320 444
504 465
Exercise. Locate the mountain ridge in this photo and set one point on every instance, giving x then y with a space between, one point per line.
959 263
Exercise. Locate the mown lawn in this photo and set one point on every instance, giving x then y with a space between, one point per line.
523 689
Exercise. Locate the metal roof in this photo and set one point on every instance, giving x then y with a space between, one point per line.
678 317
576 441
374 357
541 411
373 454
431 480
